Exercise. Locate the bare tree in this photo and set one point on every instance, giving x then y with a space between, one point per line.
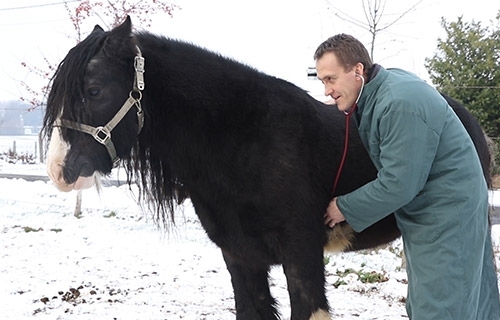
110 13
374 19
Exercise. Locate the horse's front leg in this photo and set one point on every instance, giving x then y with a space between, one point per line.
251 291
305 273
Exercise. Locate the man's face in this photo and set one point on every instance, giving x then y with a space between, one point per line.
340 85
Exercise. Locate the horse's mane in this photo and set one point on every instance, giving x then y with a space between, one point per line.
160 190
157 189
67 82
150 166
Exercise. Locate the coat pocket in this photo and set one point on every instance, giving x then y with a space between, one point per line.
419 220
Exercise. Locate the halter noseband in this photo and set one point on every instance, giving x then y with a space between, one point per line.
102 134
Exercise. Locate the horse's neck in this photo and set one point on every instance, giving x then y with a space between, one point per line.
195 89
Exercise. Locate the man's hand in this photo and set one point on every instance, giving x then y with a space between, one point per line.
333 214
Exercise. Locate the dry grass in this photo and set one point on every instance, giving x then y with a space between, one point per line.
496 182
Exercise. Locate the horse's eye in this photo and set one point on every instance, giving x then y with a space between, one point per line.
93 92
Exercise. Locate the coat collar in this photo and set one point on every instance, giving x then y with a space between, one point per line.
376 77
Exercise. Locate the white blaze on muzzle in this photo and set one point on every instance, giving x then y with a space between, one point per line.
58 149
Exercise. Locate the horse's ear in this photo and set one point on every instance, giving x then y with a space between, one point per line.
121 36
97 28
124 29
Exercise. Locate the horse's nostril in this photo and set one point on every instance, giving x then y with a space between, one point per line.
76 166
87 170
70 174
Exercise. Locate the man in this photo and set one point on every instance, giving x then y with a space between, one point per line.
429 175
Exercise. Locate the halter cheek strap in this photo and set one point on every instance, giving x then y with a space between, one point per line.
102 134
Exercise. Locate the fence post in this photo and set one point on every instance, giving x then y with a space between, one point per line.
78 206
40 147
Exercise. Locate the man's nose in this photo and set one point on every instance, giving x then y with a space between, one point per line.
328 91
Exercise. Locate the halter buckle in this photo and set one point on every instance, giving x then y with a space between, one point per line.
140 116
139 72
102 135
116 162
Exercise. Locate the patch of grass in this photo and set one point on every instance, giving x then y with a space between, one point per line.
112 214
339 283
395 250
371 277
30 229
363 276
344 273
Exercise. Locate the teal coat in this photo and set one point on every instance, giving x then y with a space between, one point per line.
430 176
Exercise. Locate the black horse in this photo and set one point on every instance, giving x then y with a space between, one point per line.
256 155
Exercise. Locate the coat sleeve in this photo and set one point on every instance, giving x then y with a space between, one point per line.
405 146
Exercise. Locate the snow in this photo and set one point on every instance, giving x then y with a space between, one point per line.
113 262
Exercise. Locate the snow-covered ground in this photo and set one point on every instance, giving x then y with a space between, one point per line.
114 263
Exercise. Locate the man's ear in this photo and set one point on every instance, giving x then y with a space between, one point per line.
359 68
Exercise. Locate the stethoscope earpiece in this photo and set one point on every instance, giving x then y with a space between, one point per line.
362 85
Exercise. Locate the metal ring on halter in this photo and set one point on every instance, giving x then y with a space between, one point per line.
131 95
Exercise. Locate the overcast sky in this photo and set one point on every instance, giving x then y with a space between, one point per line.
278 36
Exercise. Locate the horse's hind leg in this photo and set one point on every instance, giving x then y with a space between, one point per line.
305 274
251 291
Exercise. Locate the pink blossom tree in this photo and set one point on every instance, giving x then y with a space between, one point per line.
110 13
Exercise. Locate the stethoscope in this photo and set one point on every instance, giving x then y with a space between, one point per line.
346 141
359 95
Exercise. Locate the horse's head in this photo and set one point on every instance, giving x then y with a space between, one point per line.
93 111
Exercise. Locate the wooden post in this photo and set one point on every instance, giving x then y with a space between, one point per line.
78 206
40 148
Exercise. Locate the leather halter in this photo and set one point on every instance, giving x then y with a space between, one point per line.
102 134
